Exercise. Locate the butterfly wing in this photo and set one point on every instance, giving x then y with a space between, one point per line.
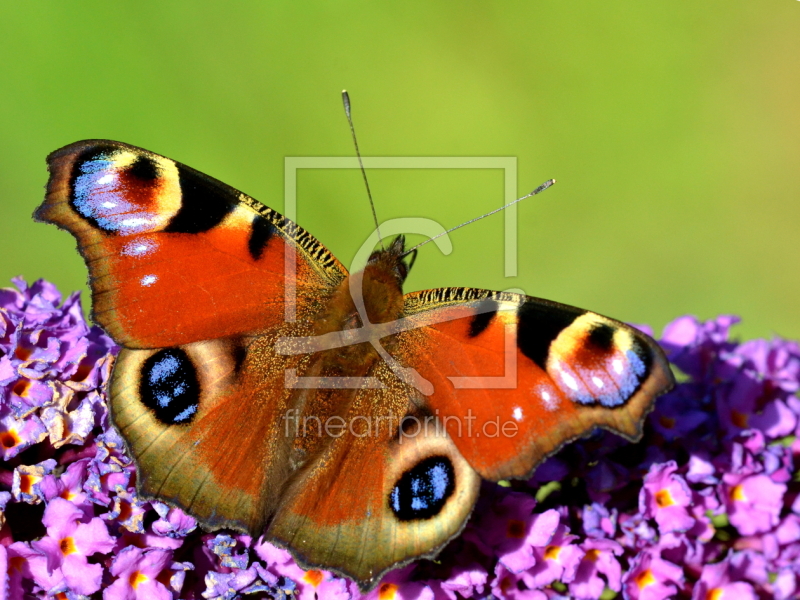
377 496
515 377
188 275
175 256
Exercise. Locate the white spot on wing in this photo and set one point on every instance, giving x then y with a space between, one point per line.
134 223
518 413
569 380
140 247
148 280
105 179
617 365
598 382
549 399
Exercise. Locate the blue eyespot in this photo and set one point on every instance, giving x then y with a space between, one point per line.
169 386
423 490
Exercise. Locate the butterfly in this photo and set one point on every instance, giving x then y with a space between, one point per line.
340 418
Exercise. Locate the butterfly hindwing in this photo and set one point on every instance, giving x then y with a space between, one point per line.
175 256
516 377
376 498
203 422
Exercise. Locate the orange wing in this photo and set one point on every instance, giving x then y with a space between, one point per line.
175 256
515 377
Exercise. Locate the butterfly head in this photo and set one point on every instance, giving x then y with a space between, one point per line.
392 261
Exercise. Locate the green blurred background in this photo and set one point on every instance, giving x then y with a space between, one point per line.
673 129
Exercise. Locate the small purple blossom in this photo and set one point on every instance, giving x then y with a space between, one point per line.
666 497
557 561
69 543
717 581
753 502
650 577
598 568
141 575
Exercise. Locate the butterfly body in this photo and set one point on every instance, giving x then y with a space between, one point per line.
262 387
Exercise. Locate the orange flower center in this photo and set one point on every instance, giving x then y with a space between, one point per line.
737 493
68 546
552 552
26 482
313 577
21 387
136 579
592 555
82 372
515 529
125 511
666 422
387 591
644 579
9 439
23 353
15 563
739 419
664 498
715 594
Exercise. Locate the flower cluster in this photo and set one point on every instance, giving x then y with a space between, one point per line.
707 505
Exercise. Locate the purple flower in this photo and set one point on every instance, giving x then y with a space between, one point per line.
557 561
66 426
511 530
396 585
173 522
706 504
753 502
128 511
465 581
599 521
28 481
506 584
652 578
695 347
143 575
27 568
716 582
69 485
69 543
666 497
599 568
18 434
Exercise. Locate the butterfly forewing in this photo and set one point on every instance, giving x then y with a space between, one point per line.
516 377
175 256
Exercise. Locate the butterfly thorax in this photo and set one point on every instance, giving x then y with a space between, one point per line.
377 290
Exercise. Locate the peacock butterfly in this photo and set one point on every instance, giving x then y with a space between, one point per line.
359 454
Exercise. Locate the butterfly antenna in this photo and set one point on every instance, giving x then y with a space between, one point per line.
346 101
538 190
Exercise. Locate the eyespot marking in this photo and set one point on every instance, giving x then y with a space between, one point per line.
422 491
169 386
595 361
120 191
